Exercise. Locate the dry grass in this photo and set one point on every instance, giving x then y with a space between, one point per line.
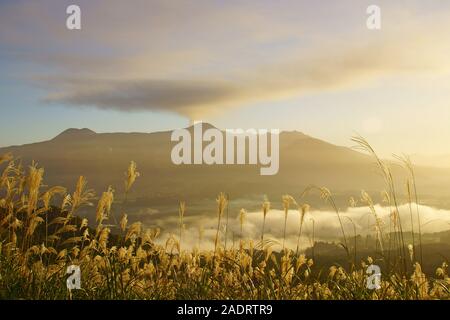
37 245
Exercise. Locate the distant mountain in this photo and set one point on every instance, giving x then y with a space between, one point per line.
104 157
440 160
71 134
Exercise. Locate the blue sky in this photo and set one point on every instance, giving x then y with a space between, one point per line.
294 65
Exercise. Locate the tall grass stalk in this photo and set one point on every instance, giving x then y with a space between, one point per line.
265 210
302 210
325 194
287 200
221 205
227 220
363 145
181 212
242 215
407 163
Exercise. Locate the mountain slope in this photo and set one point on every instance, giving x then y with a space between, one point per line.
103 159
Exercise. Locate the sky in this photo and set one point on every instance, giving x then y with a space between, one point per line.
309 66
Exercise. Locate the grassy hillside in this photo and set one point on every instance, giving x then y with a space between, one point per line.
38 243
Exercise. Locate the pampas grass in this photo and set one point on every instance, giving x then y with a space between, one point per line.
287 201
39 241
265 211
221 205
302 210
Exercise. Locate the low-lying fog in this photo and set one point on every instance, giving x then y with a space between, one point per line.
326 225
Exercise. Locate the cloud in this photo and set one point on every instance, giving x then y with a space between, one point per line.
183 97
155 56
326 226
199 96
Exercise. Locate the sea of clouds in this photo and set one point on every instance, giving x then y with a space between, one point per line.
326 226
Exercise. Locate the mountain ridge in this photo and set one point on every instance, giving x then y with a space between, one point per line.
86 132
75 132
304 160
